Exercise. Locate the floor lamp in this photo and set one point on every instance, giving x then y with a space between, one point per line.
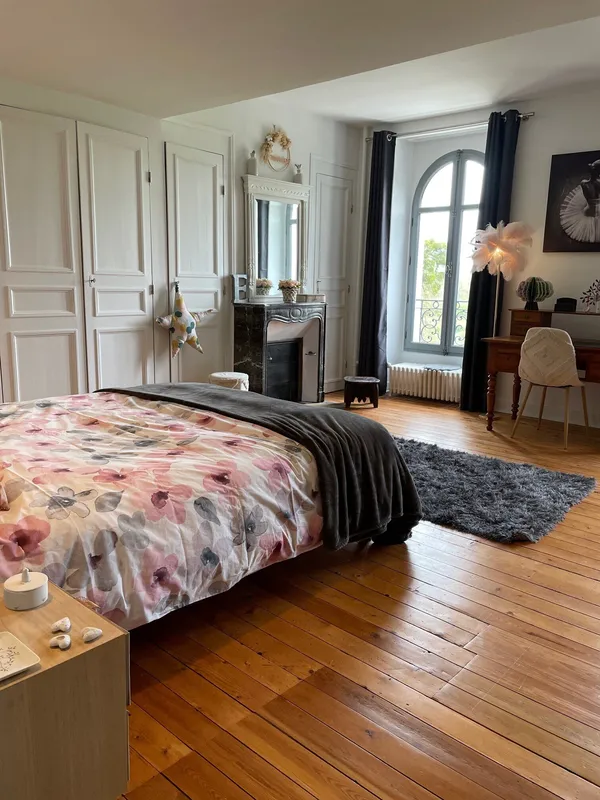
503 251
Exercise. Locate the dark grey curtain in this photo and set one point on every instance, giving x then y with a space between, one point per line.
501 145
372 355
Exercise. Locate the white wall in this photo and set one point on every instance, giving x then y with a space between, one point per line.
311 135
565 122
568 122
33 98
413 157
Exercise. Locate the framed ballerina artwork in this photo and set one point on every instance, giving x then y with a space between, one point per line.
573 212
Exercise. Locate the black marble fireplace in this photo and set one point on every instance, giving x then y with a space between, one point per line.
293 336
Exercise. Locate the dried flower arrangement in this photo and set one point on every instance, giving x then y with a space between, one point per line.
591 297
289 284
279 137
263 286
289 290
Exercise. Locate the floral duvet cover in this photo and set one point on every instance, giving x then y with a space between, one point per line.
143 506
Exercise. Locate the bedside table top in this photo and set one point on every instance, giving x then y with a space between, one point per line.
33 629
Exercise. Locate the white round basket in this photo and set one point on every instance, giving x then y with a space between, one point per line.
231 380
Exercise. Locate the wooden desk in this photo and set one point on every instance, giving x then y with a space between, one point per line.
64 723
504 353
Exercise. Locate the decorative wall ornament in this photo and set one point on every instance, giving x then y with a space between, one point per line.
275 150
534 291
182 324
591 298
573 211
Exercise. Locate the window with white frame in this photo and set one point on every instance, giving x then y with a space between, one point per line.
444 221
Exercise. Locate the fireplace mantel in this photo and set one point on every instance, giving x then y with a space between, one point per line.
250 332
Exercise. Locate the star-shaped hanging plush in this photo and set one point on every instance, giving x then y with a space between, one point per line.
182 325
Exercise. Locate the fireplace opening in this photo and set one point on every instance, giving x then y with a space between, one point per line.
284 366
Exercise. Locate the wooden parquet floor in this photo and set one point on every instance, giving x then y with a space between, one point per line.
450 668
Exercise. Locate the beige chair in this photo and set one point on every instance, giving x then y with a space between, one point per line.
548 360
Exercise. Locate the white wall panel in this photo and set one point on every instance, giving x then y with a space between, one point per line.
121 357
117 264
40 261
197 247
333 243
44 363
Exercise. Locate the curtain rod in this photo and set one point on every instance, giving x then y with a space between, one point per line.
469 126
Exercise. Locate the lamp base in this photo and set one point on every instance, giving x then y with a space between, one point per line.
531 305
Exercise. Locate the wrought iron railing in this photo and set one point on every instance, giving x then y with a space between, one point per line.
428 322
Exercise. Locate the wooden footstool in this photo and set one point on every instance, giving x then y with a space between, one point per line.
361 389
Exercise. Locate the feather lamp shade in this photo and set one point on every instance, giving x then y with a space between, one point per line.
503 249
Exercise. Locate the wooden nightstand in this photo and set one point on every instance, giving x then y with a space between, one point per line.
64 723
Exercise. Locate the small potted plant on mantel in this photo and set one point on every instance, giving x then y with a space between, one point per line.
263 286
289 290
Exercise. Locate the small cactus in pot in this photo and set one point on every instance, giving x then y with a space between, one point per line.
533 291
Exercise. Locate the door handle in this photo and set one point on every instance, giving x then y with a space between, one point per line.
91 280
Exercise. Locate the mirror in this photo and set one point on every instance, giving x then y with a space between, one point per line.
276 240
276 233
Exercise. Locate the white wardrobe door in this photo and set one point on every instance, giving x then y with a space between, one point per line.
333 206
41 322
117 264
196 237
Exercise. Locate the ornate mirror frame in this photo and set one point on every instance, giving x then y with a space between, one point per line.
259 188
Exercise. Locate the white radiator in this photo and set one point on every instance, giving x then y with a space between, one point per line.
432 381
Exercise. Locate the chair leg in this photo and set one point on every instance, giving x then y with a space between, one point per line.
585 409
544 390
567 395
521 410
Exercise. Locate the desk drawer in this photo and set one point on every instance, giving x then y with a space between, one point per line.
504 359
592 370
521 320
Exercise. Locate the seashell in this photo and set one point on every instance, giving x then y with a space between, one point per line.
90 634
62 641
61 626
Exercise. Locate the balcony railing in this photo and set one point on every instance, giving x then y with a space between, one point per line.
428 322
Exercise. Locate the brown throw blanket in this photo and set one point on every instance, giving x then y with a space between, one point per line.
366 488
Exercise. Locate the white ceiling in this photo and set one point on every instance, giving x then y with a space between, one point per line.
511 69
167 57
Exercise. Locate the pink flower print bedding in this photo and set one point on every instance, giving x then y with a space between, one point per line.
144 506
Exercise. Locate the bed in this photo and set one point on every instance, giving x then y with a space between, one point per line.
143 500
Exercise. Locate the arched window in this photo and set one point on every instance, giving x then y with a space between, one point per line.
444 221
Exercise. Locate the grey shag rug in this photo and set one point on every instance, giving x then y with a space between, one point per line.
489 497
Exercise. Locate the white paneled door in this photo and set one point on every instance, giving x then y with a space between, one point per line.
41 322
333 204
196 233
117 265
